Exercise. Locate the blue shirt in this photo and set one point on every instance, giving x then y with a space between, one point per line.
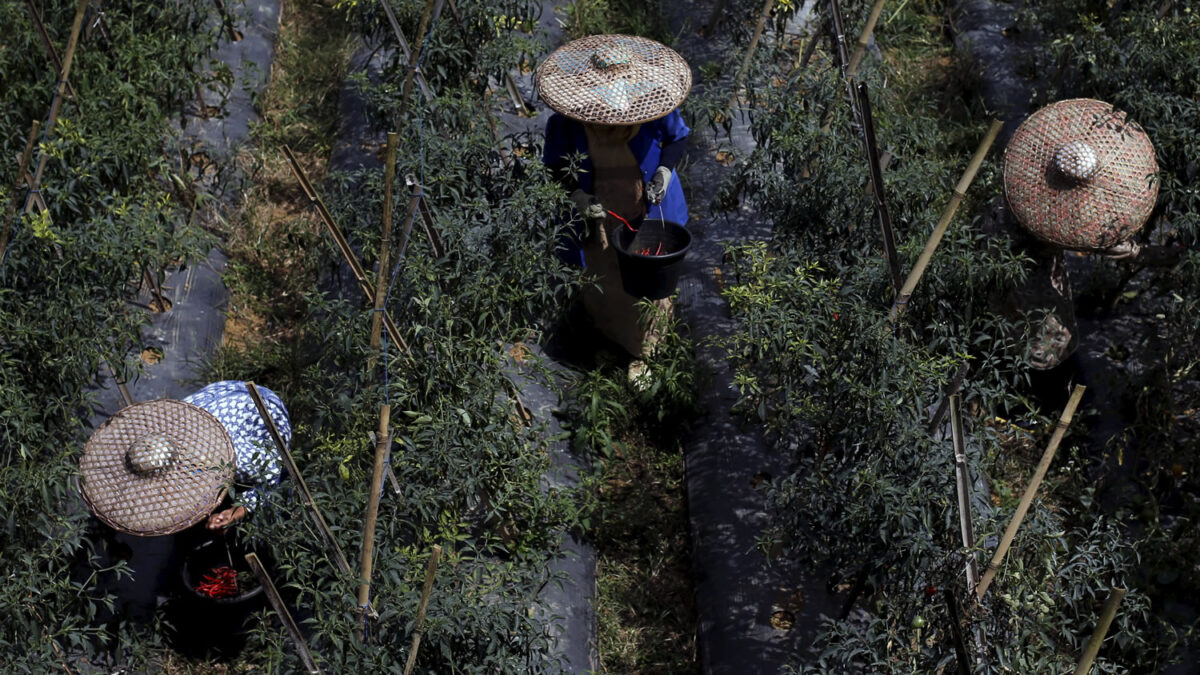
256 458
566 137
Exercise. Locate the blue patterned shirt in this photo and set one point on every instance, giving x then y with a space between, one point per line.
255 456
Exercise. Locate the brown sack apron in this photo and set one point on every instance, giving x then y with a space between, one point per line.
617 183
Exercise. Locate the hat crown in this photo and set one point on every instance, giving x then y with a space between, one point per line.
151 454
612 55
1076 160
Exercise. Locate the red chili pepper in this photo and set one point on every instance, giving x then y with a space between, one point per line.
219 582
931 591
614 215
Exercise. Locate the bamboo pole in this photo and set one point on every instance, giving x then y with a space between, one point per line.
366 563
281 609
962 482
745 67
22 171
331 545
430 573
227 20
515 94
1030 490
41 31
960 645
343 246
864 38
123 390
415 57
405 51
427 223
385 246
56 104
1106 617
881 209
960 190
944 406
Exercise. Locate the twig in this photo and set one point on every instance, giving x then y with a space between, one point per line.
430 572
960 190
285 616
367 562
331 544
1106 617
1030 490
385 246
962 482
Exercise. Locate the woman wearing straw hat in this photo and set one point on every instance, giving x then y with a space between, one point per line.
615 99
162 466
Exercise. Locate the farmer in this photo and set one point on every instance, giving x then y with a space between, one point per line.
162 466
613 143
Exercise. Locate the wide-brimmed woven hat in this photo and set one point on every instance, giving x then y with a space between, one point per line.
1081 175
614 79
156 467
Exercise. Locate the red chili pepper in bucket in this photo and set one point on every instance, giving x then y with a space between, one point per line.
219 582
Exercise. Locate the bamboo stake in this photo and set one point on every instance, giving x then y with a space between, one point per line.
227 20
281 609
955 384
1106 617
123 390
366 563
515 94
415 57
391 475
960 645
405 51
331 544
56 104
1026 499
962 482
41 31
745 67
710 26
935 238
22 171
427 223
430 572
385 246
877 190
155 288
343 246
812 45
864 38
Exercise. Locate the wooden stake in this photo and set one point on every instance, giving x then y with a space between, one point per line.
1026 499
123 390
385 246
405 51
430 572
343 246
415 57
285 616
56 104
427 223
1106 617
960 645
864 38
955 384
366 563
960 190
331 544
515 94
962 482
22 171
745 67
49 46
881 210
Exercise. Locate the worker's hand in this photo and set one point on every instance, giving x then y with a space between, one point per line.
226 518
1122 251
656 189
588 206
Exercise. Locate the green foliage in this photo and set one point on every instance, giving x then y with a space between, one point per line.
629 17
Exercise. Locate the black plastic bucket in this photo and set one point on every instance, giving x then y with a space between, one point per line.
651 258
208 555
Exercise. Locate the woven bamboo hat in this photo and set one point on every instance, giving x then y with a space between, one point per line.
614 79
156 467
1080 175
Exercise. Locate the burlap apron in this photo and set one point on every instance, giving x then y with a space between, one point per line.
617 182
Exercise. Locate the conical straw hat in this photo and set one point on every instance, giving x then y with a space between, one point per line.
1080 175
156 467
614 79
